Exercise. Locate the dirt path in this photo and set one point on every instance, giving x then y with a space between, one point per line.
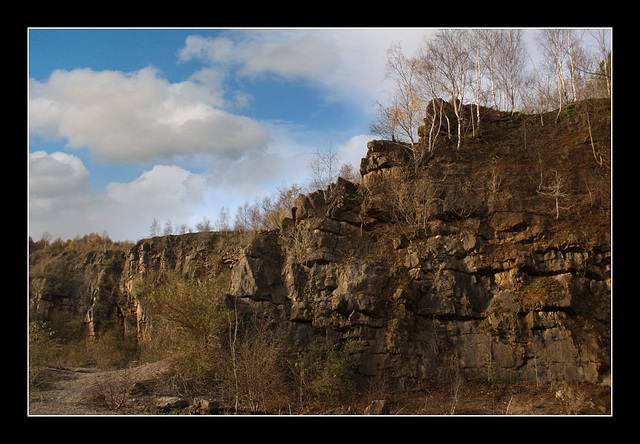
85 391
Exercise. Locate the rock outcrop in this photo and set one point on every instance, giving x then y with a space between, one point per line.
467 263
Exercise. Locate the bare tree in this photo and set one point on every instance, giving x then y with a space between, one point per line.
430 87
323 168
511 62
604 47
248 217
538 93
385 124
475 44
408 203
599 65
168 228
349 172
490 42
154 229
572 63
222 222
204 226
551 43
408 103
105 240
557 190
450 56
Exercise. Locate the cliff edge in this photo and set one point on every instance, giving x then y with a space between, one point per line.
496 256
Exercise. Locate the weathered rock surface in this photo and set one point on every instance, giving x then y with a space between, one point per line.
487 278
73 285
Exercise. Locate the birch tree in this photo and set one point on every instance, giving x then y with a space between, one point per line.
429 86
538 93
556 189
572 64
154 229
600 66
490 41
407 102
453 61
323 167
476 47
551 45
385 124
511 66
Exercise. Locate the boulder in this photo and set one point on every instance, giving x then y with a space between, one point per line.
378 407
168 403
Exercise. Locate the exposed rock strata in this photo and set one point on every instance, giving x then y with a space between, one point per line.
492 282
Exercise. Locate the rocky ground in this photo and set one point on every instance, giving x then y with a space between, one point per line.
88 391
84 391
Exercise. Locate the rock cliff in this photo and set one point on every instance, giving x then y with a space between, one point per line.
496 256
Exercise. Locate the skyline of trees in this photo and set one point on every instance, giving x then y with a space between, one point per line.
490 68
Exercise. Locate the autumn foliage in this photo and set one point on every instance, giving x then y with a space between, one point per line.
88 242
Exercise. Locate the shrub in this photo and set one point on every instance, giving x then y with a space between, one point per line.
566 111
541 291
262 368
214 351
189 326
44 349
62 342
43 345
113 349
327 372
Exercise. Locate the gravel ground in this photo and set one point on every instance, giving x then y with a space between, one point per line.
84 391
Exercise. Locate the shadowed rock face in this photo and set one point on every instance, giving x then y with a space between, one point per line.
464 262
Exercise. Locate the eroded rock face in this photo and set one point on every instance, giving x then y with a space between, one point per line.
489 281
480 294
70 285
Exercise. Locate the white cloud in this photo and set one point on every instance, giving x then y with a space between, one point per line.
348 63
288 54
58 188
218 49
56 174
163 187
360 75
61 202
308 56
139 116
354 150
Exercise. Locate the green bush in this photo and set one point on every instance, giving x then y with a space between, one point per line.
542 291
212 349
44 348
190 326
112 348
245 363
57 343
327 372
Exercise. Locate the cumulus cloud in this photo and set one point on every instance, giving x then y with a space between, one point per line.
58 188
56 174
138 116
347 63
287 54
60 200
163 187
142 117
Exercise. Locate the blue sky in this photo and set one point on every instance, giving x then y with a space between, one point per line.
131 125
128 125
